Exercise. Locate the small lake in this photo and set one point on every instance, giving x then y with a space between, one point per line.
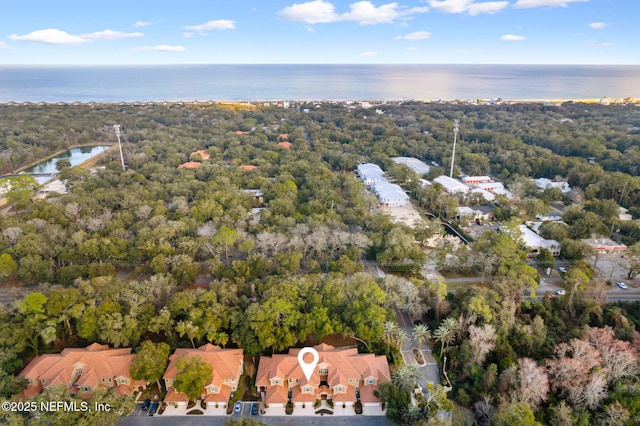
74 155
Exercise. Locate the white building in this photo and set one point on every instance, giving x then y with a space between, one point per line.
485 194
370 173
535 242
452 186
544 183
476 179
390 194
414 164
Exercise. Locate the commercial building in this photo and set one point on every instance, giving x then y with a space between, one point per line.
605 245
369 173
535 242
390 194
418 166
452 186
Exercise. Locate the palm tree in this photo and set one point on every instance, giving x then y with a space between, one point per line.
405 377
411 414
389 332
445 333
400 338
421 333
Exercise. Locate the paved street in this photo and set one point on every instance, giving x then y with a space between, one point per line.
136 420
428 372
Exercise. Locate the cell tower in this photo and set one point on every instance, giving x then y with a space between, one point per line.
455 136
116 127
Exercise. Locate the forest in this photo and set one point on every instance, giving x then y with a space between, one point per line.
187 256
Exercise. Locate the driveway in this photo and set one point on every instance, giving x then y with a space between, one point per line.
430 372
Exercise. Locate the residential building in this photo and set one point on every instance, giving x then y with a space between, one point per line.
83 370
227 366
189 165
369 173
341 375
390 194
204 155
452 186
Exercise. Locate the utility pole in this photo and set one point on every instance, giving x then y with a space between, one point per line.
455 136
116 127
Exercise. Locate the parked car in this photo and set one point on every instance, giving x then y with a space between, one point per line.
154 408
254 409
146 404
621 285
562 269
237 407
561 292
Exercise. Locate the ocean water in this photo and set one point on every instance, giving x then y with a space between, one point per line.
314 82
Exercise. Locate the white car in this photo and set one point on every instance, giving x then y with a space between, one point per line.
562 269
621 285
561 292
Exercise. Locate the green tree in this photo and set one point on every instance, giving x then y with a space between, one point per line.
8 267
193 374
517 413
150 361
395 400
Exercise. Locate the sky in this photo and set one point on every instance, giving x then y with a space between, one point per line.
92 32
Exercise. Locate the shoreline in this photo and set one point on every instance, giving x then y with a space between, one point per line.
371 102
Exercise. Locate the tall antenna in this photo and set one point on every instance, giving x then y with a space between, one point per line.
455 136
116 127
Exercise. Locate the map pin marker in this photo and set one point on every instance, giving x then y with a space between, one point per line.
308 367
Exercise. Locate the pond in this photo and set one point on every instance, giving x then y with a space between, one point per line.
47 168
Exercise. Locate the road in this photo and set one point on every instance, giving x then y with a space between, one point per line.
429 372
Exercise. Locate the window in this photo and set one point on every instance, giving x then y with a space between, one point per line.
110 380
277 381
123 381
323 371
340 388
371 381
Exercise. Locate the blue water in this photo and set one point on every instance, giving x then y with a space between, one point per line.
74 155
314 82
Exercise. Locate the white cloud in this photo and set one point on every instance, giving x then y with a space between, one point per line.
540 3
160 48
512 37
56 36
411 49
187 35
219 25
369 54
313 12
489 7
598 25
141 24
4 45
418 35
110 35
310 28
363 12
50 36
469 6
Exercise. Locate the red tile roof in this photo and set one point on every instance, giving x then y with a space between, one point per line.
190 165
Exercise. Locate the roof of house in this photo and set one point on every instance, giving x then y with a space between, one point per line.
96 362
247 167
225 363
343 363
285 145
190 165
202 153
